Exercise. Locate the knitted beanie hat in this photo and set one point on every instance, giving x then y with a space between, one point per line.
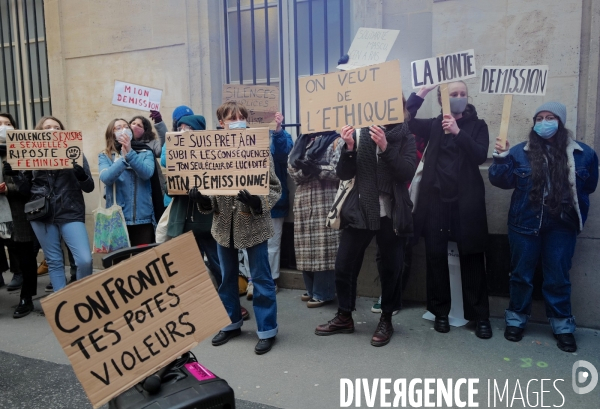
556 108
180 112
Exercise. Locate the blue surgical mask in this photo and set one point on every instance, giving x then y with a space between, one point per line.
458 105
546 129
237 125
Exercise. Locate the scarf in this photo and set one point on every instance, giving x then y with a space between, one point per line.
374 176
316 151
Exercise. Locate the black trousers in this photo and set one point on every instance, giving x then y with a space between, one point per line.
353 243
442 226
23 255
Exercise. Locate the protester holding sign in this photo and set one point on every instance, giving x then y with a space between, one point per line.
312 166
451 205
244 221
131 171
552 176
382 160
15 231
59 211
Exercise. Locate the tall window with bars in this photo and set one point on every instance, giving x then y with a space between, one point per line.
24 78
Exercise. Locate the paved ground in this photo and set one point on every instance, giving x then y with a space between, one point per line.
304 370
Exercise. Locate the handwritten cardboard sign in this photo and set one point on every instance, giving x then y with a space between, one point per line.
370 46
261 101
123 324
444 68
29 150
362 97
218 162
136 96
515 80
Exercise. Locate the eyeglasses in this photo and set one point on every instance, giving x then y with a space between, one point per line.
547 118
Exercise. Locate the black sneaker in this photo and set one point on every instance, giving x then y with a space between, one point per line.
49 288
24 308
264 345
16 283
566 342
224 336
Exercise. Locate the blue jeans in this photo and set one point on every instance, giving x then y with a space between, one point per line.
208 247
320 285
75 236
264 300
554 246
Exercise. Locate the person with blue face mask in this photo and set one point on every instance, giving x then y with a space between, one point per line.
552 176
451 205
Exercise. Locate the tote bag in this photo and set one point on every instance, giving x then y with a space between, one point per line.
163 225
334 220
110 229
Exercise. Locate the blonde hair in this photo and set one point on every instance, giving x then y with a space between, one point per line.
231 109
40 124
109 135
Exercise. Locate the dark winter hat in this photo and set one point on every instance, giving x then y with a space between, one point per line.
196 122
180 112
556 108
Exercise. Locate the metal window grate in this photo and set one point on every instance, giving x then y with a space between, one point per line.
310 34
25 87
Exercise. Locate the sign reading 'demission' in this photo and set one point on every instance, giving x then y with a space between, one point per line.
28 150
218 162
362 97
261 101
136 96
531 80
444 68
123 324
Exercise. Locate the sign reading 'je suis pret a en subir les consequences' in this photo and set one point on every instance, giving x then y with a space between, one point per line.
30 150
218 162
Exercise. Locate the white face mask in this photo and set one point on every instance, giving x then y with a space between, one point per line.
125 131
3 129
237 125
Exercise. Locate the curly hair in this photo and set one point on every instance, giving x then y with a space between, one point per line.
148 132
558 168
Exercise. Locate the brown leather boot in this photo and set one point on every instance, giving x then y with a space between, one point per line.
342 323
383 333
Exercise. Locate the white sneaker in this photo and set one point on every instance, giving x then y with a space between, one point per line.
250 290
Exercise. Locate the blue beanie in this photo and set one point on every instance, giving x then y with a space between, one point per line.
181 111
196 122
556 108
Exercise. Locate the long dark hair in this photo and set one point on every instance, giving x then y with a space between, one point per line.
148 132
558 167
10 118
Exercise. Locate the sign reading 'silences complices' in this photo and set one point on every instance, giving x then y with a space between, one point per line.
361 97
261 101
30 150
122 325
444 68
514 80
218 162
136 96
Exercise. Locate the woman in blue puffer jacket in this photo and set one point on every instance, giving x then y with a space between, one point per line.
131 170
552 176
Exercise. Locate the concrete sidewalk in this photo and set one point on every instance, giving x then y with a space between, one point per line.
304 370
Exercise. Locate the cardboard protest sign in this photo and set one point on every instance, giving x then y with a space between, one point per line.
521 80
443 68
49 149
123 324
218 162
370 46
261 101
136 96
362 97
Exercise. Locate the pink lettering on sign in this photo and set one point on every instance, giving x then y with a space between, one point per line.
199 372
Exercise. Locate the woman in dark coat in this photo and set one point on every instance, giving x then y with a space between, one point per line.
451 205
382 161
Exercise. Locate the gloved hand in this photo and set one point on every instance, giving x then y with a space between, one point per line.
79 172
197 197
250 200
156 116
308 167
8 170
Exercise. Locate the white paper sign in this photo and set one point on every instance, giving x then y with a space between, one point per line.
136 96
370 46
444 68
515 80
